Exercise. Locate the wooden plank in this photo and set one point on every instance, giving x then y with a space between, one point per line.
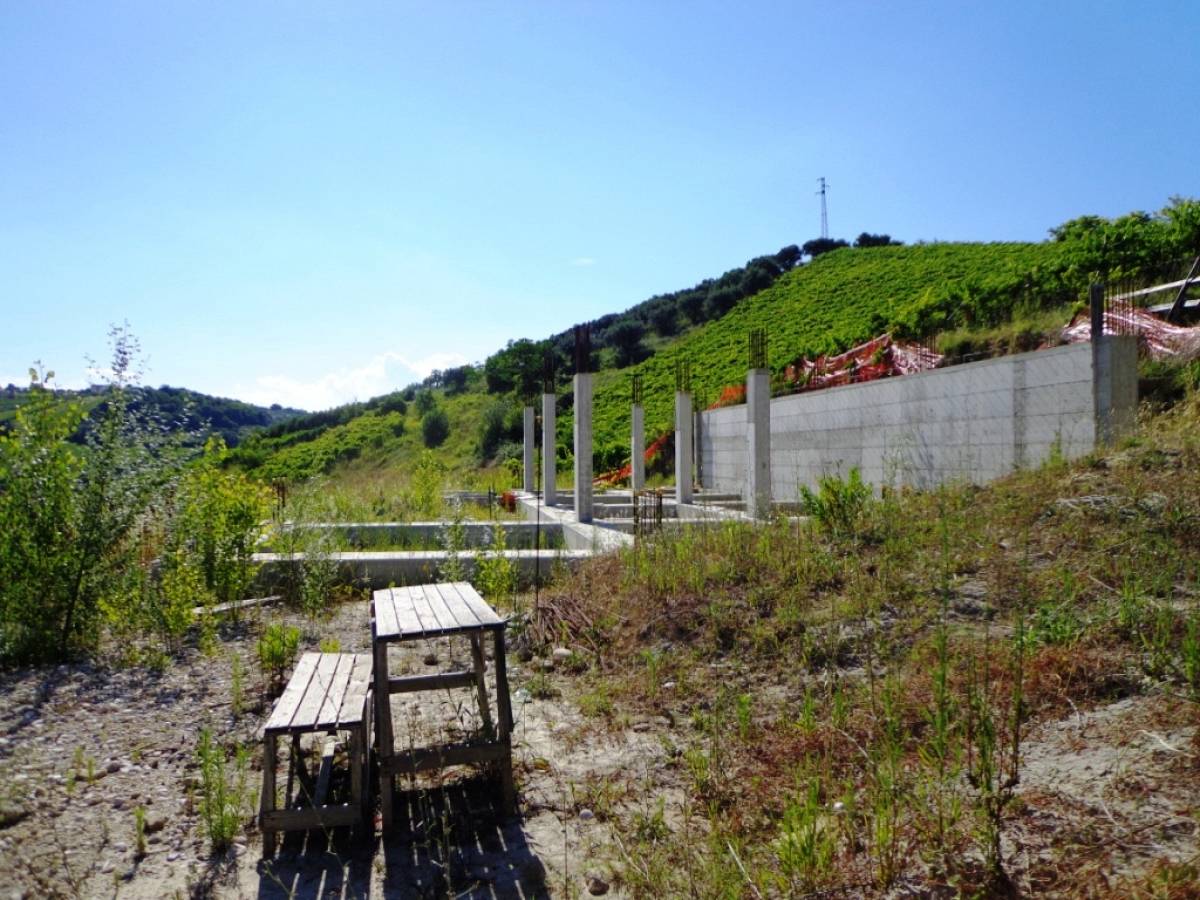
326 772
385 614
409 625
354 701
318 688
411 683
289 700
484 615
456 604
422 759
423 597
311 817
446 613
327 715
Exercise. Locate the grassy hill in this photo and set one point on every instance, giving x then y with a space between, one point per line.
834 302
955 294
193 411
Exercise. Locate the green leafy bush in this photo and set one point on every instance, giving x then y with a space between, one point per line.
276 649
838 505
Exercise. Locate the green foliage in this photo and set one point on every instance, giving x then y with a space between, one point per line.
838 505
224 794
435 427
425 486
219 520
453 539
495 573
70 518
276 649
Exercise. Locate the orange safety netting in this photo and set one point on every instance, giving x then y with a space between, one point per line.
1157 338
616 476
878 358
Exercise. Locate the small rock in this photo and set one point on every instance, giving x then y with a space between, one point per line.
586 815
561 654
171 857
547 665
155 823
113 767
596 885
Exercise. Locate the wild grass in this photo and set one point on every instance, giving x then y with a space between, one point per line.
860 687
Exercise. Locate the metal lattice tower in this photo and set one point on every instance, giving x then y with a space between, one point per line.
824 210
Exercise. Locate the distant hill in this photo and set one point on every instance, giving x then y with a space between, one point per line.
182 408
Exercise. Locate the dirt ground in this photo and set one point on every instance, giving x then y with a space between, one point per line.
82 746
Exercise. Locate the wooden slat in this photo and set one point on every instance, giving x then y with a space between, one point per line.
309 817
408 623
327 715
297 687
318 688
412 683
423 597
443 617
484 614
354 700
438 757
457 606
385 614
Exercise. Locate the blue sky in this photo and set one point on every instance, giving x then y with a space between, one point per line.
313 203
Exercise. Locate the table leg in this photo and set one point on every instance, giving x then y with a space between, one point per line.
267 801
504 709
481 685
383 730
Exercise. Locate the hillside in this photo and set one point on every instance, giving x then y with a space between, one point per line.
956 294
835 301
182 408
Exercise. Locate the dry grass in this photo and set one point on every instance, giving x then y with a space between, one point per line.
855 709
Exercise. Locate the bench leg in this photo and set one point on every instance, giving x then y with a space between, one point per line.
267 802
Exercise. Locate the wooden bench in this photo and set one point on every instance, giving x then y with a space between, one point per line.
428 611
328 693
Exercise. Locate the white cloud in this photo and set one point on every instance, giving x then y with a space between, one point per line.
583 261
381 374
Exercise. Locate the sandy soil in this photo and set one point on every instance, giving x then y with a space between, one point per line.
135 733
82 746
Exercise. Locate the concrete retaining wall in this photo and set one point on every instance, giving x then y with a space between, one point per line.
973 422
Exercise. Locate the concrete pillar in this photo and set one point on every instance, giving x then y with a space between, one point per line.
698 445
528 483
1114 376
683 447
758 443
549 450
637 449
1114 386
583 447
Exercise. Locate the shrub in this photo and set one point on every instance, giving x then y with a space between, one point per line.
276 649
70 518
435 427
224 800
838 505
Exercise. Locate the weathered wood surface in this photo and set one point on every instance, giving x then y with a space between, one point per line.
327 692
431 610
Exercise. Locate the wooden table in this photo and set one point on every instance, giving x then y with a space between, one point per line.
326 694
428 611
